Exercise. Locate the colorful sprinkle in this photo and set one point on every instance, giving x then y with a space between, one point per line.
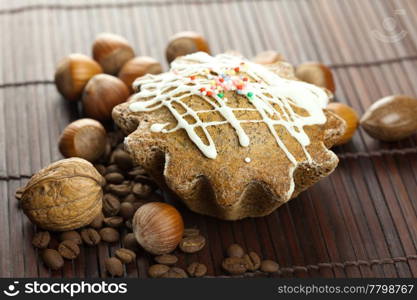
249 94
236 69
245 78
209 93
220 95
192 77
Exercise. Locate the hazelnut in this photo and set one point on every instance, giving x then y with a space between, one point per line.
184 43
85 138
317 74
158 227
267 57
66 195
391 118
112 52
101 94
349 115
137 67
72 74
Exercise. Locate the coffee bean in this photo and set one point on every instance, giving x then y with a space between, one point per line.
235 250
112 169
196 269
111 205
101 169
52 259
269 266
90 236
234 265
137 171
69 249
145 179
190 232
122 159
115 138
156 271
120 190
115 178
97 223
253 261
130 242
129 198
128 224
41 239
166 259
114 266
175 272
141 190
192 244
126 210
109 235
71 235
125 255
104 158
113 221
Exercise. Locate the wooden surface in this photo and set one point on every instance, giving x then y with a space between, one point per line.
359 222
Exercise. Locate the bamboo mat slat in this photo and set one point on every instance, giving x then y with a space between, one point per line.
359 222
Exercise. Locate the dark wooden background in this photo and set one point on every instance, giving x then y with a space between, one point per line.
359 222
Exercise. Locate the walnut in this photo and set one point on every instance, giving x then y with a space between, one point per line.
65 195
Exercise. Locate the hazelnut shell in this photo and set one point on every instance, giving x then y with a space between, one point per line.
84 138
316 73
158 227
184 43
137 67
349 115
72 74
101 94
112 51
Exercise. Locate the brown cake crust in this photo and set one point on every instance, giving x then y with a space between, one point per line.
228 187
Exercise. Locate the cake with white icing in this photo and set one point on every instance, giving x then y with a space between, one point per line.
231 138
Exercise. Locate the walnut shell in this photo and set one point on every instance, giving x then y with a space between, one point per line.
63 196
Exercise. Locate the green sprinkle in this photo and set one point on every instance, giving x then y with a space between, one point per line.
220 95
249 94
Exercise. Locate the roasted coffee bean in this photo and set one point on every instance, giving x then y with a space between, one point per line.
54 243
190 232
192 244
137 171
69 249
71 235
97 223
156 271
111 205
120 190
109 235
175 272
166 259
128 224
122 159
234 265
101 169
253 261
90 236
126 256
52 259
126 210
235 250
269 266
136 205
155 197
130 242
112 169
141 190
114 266
41 239
145 179
115 178
130 198
105 157
196 269
113 221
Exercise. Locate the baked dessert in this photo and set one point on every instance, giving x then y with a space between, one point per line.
231 138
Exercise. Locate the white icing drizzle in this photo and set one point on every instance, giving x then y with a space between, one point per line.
248 159
194 74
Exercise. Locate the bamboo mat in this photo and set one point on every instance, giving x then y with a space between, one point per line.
359 222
